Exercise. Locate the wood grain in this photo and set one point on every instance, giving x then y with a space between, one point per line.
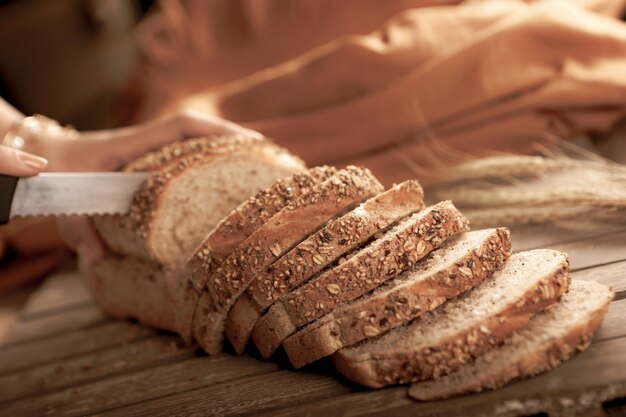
253 394
613 275
54 324
603 366
41 351
78 370
183 378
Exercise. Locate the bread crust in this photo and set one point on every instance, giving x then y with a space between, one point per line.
314 254
284 230
247 218
376 370
548 356
232 231
131 233
393 253
379 312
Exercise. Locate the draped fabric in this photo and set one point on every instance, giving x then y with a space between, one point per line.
336 81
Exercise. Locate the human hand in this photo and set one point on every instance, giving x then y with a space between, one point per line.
110 150
20 163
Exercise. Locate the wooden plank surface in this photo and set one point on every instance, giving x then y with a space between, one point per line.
64 358
54 348
602 365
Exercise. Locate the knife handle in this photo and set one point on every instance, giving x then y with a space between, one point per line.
7 189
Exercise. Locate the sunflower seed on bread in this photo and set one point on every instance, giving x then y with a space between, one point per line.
397 250
450 336
319 250
462 262
552 337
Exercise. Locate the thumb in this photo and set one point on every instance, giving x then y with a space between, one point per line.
20 163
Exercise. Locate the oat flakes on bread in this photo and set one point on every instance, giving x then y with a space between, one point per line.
450 336
551 338
177 205
319 250
364 270
285 229
461 263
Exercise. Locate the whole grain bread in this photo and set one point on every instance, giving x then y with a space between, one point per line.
231 232
277 236
132 288
176 206
337 238
443 340
552 337
397 250
247 218
461 263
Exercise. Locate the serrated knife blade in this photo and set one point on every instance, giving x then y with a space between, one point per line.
62 194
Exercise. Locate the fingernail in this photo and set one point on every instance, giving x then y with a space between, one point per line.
32 161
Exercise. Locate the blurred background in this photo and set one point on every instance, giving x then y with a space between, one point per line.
69 59
408 88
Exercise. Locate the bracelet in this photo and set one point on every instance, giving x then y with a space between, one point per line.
31 127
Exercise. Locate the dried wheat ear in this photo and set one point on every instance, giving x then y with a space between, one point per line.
514 189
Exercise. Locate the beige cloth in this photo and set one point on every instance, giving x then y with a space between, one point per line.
491 73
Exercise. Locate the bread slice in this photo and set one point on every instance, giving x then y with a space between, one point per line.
461 263
551 338
396 251
176 206
132 288
443 340
319 250
247 218
277 236
231 232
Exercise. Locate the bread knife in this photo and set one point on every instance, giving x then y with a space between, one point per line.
68 193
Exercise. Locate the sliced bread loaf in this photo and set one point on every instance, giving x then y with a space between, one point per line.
397 250
247 218
450 336
337 238
551 338
287 228
231 232
176 206
461 263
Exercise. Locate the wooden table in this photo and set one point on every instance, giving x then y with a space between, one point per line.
64 358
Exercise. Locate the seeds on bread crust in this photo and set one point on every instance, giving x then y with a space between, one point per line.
285 229
430 282
370 267
550 338
336 239
443 340
359 274
247 218
129 233
319 250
